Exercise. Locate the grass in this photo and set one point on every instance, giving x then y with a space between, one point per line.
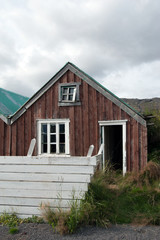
13 230
128 205
135 199
113 199
12 221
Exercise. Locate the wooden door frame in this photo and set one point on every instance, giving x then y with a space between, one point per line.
122 123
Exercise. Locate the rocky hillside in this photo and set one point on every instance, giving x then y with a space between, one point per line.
144 106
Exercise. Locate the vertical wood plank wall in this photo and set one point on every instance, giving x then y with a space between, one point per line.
84 128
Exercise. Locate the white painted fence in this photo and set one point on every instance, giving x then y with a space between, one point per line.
26 182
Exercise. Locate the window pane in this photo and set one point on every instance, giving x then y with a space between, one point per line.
53 148
44 128
44 148
71 90
52 128
53 138
62 138
62 148
64 97
62 128
44 138
70 98
64 90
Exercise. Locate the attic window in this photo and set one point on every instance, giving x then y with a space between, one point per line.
69 94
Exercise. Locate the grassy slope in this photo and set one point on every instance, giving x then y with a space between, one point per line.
133 199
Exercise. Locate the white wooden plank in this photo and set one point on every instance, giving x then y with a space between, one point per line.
20 209
17 201
22 216
41 194
47 168
45 177
23 210
80 161
44 186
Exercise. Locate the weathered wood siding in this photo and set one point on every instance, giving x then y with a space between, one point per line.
26 182
84 127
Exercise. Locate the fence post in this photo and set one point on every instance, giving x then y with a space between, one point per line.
102 163
90 151
31 147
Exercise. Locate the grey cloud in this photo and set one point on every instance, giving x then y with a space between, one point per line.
101 37
18 86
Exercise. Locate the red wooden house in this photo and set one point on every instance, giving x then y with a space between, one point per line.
71 112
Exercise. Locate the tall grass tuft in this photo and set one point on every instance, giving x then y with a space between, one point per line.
147 177
82 212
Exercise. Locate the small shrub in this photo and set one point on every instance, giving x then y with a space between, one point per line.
61 221
154 155
147 177
151 172
33 219
48 214
153 133
10 220
13 230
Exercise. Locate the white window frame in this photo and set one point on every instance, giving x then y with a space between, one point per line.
75 99
122 123
67 94
56 122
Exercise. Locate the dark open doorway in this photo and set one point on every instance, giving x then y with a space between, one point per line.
113 151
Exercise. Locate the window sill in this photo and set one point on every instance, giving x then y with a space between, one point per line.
69 104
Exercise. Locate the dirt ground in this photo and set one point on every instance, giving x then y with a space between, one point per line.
32 231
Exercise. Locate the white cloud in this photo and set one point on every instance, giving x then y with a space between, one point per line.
135 82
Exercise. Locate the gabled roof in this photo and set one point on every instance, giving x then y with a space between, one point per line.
10 102
92 82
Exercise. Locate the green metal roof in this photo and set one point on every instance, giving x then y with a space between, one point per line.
10 102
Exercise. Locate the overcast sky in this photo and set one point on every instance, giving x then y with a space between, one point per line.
117 42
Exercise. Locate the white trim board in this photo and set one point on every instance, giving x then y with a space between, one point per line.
116 123
112 122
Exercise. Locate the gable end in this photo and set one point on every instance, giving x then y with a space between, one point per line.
88 80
